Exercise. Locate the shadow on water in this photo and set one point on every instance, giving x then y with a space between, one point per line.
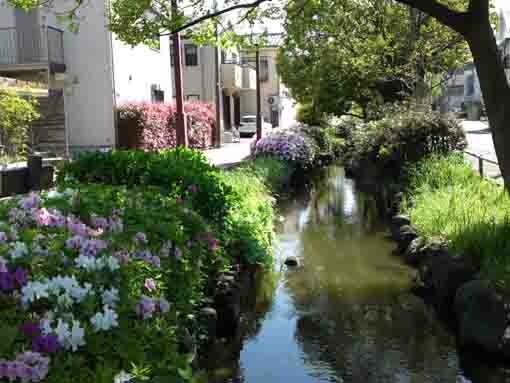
345 314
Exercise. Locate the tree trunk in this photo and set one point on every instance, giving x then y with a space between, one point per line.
495 90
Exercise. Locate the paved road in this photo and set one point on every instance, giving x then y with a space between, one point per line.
480 143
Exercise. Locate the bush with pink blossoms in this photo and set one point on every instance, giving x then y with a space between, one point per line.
97 280
151 126
287 146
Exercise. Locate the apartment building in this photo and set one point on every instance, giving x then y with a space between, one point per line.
86 73
237 80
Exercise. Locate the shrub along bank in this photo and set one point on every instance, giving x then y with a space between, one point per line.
106 277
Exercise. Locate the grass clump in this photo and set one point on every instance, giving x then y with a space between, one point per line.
447 199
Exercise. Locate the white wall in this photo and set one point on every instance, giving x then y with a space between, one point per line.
89 98
137 68
6 16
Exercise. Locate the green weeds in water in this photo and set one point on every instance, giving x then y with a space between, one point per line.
447 199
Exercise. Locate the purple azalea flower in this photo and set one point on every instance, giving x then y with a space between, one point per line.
30 329
156 261
20 275
146 307
3 236
45 343
140 237
178 253
6 282
150 284
178 200
193 188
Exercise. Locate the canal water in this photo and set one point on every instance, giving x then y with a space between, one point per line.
346 313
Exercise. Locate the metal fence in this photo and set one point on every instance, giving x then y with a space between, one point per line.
485 167
38 45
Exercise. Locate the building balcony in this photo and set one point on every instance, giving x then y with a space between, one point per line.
232 75
249 78
31 50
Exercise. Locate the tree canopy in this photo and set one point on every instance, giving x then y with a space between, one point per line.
347 50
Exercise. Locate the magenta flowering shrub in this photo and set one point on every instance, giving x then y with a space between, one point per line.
155 124
287 146
90 277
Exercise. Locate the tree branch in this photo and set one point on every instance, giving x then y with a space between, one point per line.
447 16
353 115
213 15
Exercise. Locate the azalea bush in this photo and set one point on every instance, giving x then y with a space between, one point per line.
295 148
180 172
406 135
155 124
95 283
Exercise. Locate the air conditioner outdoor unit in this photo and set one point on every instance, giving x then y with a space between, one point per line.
273 100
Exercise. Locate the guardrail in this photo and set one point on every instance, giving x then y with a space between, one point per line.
481 161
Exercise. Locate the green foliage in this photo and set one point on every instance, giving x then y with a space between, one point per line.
447 199
180 172
236 204
274 173
249 224
308 114
406 136
339 51
16 116
327 138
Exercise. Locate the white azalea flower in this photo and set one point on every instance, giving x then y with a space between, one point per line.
19 249
76 337
122 377
113 263
85 262
33 291
106 320
54 194
62 332
110 297
64 300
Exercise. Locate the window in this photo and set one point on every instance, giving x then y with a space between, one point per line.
264 70
190 55
234 57
172 58
223 56
157 94
192 97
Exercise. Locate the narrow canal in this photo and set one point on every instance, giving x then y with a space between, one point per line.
346 313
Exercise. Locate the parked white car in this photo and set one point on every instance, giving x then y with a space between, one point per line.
248 125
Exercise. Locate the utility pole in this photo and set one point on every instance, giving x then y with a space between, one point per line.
180 117
217 74
259 107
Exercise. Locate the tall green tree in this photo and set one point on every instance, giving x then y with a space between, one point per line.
347 50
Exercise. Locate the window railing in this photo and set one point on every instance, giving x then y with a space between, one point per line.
31 46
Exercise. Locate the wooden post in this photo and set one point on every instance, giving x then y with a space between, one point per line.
259 107
35 172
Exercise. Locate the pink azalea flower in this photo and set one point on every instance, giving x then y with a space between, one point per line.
150 284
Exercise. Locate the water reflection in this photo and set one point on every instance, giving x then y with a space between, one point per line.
345 314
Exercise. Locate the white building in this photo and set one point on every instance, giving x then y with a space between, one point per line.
88 73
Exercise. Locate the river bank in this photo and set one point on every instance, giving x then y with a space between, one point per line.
452 244
347 313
